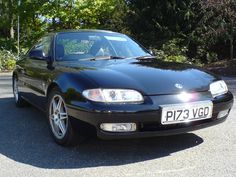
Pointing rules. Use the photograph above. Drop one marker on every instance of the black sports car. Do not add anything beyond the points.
(107, 81)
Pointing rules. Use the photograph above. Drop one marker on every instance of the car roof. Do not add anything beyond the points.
(84, 30)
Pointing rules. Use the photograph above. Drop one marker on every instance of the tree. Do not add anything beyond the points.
(157, 21)
(220, 19)
(39, 17)
(7, 17)
(27, 10)
(202, 28)
(71, 14)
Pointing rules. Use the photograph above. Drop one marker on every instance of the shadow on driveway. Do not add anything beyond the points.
(25, 138)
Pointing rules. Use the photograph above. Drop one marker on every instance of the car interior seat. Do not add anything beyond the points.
(60, 52)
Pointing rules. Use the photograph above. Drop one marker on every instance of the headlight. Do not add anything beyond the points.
(218, 88)
(113, 95)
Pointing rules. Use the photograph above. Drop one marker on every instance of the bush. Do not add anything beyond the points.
(211, 57)
(10, 64)
(8, 44)
(171, 51)
(7, 60)
(177, 58)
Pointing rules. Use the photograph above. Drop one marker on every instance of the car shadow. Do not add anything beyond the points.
(25, 138)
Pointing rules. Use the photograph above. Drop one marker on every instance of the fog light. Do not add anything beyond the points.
(223, 114)
(118, 127)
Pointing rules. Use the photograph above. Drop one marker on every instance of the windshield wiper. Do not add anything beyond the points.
(110, 57)
(145, 57)
(104, 58)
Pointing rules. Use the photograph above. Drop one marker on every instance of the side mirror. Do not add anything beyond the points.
(37, 54)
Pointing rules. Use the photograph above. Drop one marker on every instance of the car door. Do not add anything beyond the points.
(36, 71)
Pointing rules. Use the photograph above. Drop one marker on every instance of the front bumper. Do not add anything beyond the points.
(147, 116)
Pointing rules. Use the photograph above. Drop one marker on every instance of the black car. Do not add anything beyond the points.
(107, 81)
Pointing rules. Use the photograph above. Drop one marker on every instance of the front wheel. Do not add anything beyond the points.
(60, 123)
(20, 102)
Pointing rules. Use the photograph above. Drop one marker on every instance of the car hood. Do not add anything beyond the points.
(152, 77)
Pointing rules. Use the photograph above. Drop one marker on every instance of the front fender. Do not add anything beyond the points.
(72, 86)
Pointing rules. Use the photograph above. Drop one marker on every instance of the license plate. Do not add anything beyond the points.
(179, 113)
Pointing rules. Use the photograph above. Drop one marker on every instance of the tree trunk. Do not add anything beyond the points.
(10, 4)
(231, 41)
(12, 28)
(231, 48)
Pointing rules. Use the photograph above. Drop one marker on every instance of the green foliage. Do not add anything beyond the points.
(205, 27)
(77, 14)
(40, 17)
(7, 60)
(8, 44)
(211, 57)
(10, 64)
(171, 51)
(204, 30)
(177, 58)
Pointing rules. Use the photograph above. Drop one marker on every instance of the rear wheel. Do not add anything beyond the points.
(20, 102)
(60, 122)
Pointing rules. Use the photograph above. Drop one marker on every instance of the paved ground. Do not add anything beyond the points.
(26, 149)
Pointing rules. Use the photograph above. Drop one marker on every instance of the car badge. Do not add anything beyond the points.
(179, 86)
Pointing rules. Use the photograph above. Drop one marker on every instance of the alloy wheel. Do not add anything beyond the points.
(58, 116)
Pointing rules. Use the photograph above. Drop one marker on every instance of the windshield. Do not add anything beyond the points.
(86, 45)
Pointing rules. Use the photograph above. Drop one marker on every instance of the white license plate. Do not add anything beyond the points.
(186, 112)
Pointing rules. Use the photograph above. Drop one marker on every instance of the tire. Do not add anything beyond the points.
(19, 101)
(60, 122)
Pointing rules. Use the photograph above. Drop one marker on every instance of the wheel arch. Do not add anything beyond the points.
(71, 86)
(51, 87)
